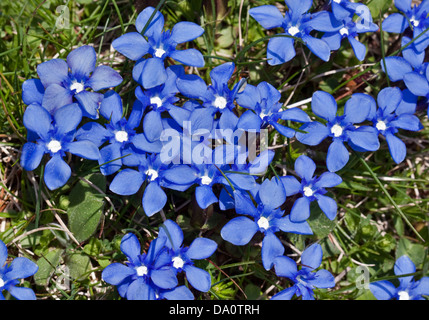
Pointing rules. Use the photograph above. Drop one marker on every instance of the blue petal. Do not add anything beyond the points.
(319, 47)
(154, 199)
(178, 293)
(305, 167)
(140, 142)
(57, 172)
(286, 225)
(301, 210)
(285, 294)
(84, 149)
(407, 122)
(3, 253)
(220, 75)
(249, 97)
(312, 256)
(110, 159)
(388, 99)
(408, 104)
(383, 290)
(365, 137)
(104, 77)
(67, 118)
(328, 180)
(395, 23)
(358, 48)
(268, 16)
(397, 68)
(152, 126)
(333, 39)
(422, 286)
(201, 248)
(403, 5)
(190, 57)
(151, 73)
(191, 86)
(90, 103)
(132, 45)
(328, 206)
(31, 156)
(284, 131)
(93, 132)
(285, 267)
(324, 21)
(397, 148)
(323, 280)
(404, 265)
(205, 196)
(298, 8)
(261, 162)
(198, 278)
(130, 246)
(56, 97)
(280, 49)
(111, 106)
(239, 231)
(291, 184)
(127, 182)
(244, 205)
(21, 293)
(54, 71)
(338, 156)
(360, 107)
(185, 31)
(173, 233)
(181, 174)
(165, 278)
(249, 121)
(20, 268)
(272, 193)
(295, 114)
(324, 105)
(140, 290)
(116, 273)
(417, 84)
(32, 91)
(155, 26)
(82, 61)
(272, 247)
(316, 133)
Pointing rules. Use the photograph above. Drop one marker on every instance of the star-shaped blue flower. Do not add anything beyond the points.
(159, 44)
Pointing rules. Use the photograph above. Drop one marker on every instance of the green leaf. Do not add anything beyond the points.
(319, 223)
(86, 206)
(415, 251)
(79, 266)
(377, 6)
(47, 265)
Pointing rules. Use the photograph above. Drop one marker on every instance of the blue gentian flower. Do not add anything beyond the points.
(341, 129)
(311, 188)
(119, 132)
(266, 218)
(145, 276)
(11, 274)
(415, 18)
(408, 288)
(216, 97)
(296, 23)
(392, 115)
(350, 29)
(182, 258)
(159, 44)
(161, 99)
(265, 109)
(63, 83)
(306, 279)
(56, 136)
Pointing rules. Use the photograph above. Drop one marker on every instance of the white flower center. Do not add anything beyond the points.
(293, 30)
(1, 283)
(141, 271)
(159, 52)
(206, 180)
(178, 262)
(414, 22)
(152, 174)
(220, 102)
(403, 295)
(308, 192)
(344, 31)
(337, 1)
(263, 223)
(121, 136)
(381, 125)
(54, 146)
(157, 101)
(337, 130)
(78, 86)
